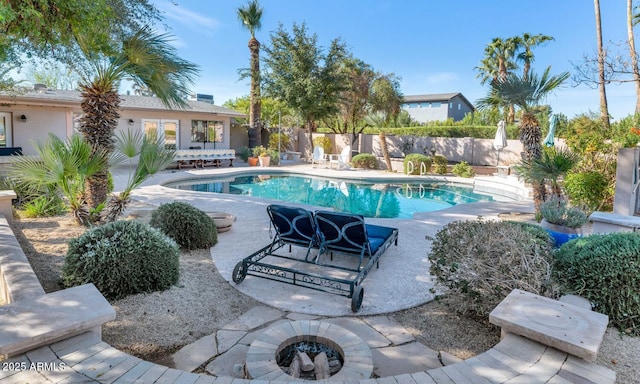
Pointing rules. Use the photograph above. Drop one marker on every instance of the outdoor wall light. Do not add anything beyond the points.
(23, 118)
(130, 121)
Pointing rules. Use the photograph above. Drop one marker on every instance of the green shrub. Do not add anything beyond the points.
(556, 211)
(44, 206)
(417, 159)
(122, 258)
(274, 155)
(364, 160)
(586, 189)
(324, 142)
(245, 153)
(463, 169)
(441, 164)
(190, 227)
(282, 139)
(481, 262)
(258, 150)
(604, 270)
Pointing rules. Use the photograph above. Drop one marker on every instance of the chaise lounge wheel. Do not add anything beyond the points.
(356, 299)
(239, 273)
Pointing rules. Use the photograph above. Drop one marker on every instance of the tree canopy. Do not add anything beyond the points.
(300, 73)
(58, 30)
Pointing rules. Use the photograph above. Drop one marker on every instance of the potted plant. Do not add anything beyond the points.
(264, 159)
(562, 221)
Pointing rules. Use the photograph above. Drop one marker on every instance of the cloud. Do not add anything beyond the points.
(186, 17)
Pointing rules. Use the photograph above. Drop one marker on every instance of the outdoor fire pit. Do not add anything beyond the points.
(309, 350)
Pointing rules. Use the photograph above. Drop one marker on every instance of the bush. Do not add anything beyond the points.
(417, 159)
(122, 258)
(324, 142)
(463, 169)
(44, 206)
(282, 139)
(364, 160)
(245, 153)
(586, 189)
(556, 211)
(190, 227)
(441, 164)
(604, 270)
(481, 262)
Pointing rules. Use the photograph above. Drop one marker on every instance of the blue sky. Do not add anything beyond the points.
(432, 45)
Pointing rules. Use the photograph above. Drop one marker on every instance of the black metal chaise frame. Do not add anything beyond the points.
(325, 232)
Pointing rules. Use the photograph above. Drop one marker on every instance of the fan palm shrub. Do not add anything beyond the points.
(153, 156)
(550, 168)
(64, 166)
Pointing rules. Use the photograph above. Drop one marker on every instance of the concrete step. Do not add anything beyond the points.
(30, 323)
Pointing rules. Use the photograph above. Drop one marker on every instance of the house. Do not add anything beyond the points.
(30, 117)
(437, 107)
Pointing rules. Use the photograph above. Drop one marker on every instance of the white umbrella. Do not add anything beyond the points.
(501, 139)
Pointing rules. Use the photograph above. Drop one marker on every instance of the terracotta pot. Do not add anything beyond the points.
(223, 221)
(253, 161)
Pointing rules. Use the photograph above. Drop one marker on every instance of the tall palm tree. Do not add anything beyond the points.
(527, 94)
(632, 52)
(148, 59)
(498, 62)
(251, 17)
(527, 42)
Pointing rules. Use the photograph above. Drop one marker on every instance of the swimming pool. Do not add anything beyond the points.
(385, 199)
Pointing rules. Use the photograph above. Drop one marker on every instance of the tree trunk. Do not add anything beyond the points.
(385, 150)
(632, 53)
(255, 108)
(604, 109)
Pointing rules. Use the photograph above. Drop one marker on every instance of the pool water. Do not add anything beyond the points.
(379, 199)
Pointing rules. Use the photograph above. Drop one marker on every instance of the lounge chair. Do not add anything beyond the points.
(349, 233)
(318, 156)
(293, 226)
(342, 160)
(327, 232)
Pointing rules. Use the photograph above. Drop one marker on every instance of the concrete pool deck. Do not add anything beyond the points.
(402, 281)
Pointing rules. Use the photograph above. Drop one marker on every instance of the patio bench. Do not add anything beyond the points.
(202, 157)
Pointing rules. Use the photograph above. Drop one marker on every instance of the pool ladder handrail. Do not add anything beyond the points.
(411, 167)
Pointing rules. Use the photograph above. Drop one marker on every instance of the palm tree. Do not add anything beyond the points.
(250, 16)
(527, 94)
(149, 60)
(498, 63)
(527, 42)
(632, 52)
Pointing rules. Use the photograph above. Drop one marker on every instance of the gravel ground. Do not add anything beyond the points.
(152, 326)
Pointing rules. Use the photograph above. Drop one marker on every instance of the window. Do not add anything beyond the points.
(459, 106)
(450, 105)
(164, 129)
(437, 104)
(5, 129)
(206, 131)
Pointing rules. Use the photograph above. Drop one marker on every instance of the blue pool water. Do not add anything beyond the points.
(380, 199)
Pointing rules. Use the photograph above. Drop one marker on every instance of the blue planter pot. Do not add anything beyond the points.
(559, 233)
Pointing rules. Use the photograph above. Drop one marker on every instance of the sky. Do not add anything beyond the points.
(433, 46)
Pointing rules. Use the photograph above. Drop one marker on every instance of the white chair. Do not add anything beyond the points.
(342, 160)
(318, 156)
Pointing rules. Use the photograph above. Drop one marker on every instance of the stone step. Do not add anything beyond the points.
(566, 327)
(31, 323)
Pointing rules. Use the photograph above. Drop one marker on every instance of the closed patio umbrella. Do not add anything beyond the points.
(501, 139)
(548, 141)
